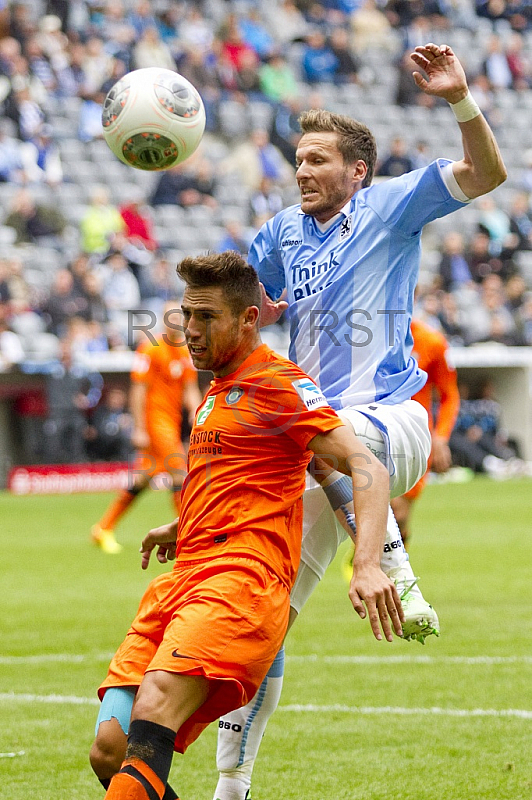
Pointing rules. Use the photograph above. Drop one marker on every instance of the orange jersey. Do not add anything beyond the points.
(165, 369)
(247, 463)
(430, 350)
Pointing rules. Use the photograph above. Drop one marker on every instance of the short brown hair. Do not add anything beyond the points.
(229, 271)
(355, 140)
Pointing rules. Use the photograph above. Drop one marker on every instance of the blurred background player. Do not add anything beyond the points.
(441, 398)
(164, 382)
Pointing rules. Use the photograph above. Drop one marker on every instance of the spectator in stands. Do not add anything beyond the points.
(196, 31)
(11, 350)
(255, 159)
(21, 25)
(90, 116)
(420, 155)
(64, 303)
(521, 221)
(70, 392)
(99, 222)
(285, 132)
(39, 64)
(286, 21)
(406, 93)
(265, 202)
(234, 49)
(450, 321)
(10, 50)
(235, 238)
(137, 220)
(121, 293)
(142, 17)
(319, 63)
(255, 33)
(34, 221)
(72, 77)
(371, 28)
(518, 62)
(108, 436)
(478, 440)
(12, 168)
(524, 320)
(453, 269)
(97, 66)
(26, 112)
(158, 284)
(277, 79)
(189, 184)
(5, 293)
(348, 65)
(151, 51)
(488, 318)
(480, 258)
(95, 310)
(495, 65)
(397, 161)
(494, 221)
(43, 159)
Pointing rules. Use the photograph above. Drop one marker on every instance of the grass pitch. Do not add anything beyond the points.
(359, 720)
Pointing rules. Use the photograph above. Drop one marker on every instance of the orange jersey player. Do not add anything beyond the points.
(431, 352)
(164, 382)
(206, 633)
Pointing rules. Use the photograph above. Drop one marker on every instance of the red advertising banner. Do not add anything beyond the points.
(68, 478)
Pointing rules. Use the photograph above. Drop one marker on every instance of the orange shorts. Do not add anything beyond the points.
(166, 452)
(224, 619)
(416, 490)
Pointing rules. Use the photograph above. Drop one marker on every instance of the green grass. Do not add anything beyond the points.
(471, 545)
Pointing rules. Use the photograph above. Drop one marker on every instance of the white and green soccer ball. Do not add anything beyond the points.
(153, 119)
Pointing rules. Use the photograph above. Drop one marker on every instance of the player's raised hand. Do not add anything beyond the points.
(270, 311)
(445, 74)
(164, 539)
(371, 589)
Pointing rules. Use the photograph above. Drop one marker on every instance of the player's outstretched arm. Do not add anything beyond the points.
(370, 591)
(165, 539)
(482, 169)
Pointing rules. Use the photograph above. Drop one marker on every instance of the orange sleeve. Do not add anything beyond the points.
(142, 364)
(443, 378)
(297, 407)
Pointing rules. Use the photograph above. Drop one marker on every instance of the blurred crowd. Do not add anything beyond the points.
(83, 241)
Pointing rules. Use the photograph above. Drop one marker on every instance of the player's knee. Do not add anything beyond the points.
(108, 750)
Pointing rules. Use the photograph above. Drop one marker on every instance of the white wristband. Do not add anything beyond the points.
(466, 109)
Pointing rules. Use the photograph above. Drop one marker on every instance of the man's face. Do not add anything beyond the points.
(326, 183)
(214, 335)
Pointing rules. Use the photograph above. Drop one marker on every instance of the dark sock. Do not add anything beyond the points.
(150, 748)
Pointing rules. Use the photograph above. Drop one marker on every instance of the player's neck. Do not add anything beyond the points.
(247, 348)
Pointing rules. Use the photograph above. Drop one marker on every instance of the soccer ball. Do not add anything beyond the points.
(153, 119)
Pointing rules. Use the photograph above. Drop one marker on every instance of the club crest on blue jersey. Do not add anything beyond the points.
(309, 393)
(345, 228)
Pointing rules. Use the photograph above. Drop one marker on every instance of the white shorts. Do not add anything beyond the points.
(399, 436)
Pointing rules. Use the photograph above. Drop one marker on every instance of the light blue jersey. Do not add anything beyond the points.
(351, 287)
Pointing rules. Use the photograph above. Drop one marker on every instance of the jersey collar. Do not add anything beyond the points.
(324, 226)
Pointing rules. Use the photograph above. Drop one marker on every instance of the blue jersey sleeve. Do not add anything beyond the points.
(264, 257)
(410, 201)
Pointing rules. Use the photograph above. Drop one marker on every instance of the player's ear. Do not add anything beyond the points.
(251, 316)
(360, 170)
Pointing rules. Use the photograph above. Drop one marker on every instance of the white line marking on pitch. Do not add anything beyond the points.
(313, 709)
(68, 658)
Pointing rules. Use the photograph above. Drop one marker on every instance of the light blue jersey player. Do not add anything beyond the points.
(348, 258)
